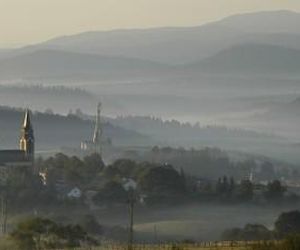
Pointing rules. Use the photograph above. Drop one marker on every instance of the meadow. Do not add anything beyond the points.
(181, 246)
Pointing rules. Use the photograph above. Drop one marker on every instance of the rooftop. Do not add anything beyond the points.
(7, 156)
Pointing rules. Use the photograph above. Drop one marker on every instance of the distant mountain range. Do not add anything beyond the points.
(265, 42)
(240, 59)
(185, 45)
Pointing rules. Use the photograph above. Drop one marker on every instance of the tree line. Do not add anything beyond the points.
(286, 231)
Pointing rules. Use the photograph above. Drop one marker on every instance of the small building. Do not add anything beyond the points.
(129, 183)
(75, 193)
(65, 191)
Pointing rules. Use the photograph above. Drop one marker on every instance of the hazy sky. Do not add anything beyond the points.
(30, 21)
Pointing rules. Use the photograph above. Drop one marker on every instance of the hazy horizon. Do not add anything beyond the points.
(33, 20)
(149, 121)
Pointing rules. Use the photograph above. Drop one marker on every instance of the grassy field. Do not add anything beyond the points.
(204, 246)
(169, 247)
(234, 245)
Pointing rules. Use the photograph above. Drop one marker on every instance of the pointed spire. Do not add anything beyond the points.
(27, 122)
(27, 136)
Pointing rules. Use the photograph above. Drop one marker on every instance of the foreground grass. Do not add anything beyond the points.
(7, 244)
(204, 246)
(165, 247)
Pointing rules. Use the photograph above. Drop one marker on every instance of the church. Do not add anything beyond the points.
(24, 156)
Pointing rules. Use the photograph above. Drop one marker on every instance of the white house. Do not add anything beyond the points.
(129, 184)
(75, 193)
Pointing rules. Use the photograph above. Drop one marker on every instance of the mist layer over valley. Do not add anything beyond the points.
(209, 106)
(220, 73)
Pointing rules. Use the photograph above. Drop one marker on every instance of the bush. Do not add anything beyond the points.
(39, 233)
(6, 243)
(288, 223)
(91, 225)
(163, 180)
(292, 242)
(112, 192)
(249, 232)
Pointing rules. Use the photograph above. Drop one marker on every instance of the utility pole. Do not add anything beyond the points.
(4, 198)
(155, 234)
(3, 212)
(131, 202)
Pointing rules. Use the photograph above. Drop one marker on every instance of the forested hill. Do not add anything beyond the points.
(186, 134)
(176, 134)
(53, 131)
(58, 98)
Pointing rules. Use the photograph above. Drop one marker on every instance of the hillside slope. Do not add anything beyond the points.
(252, 58)
(187, 44)
(55, 63)
(55, 131)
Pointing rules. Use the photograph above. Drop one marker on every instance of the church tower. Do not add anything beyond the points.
(27, 137)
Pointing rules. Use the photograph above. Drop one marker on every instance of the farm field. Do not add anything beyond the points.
(170, 247)
(175, 248)
(200, 246)
(194, 222)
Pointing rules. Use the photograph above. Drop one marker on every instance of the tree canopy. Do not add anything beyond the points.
(288, 223)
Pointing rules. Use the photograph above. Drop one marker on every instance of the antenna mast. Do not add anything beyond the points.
(98, 131)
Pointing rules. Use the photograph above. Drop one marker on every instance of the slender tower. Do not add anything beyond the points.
(27, 137)
(98, 131)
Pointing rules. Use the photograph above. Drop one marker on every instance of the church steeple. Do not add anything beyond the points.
(98, 131)
(27, 137)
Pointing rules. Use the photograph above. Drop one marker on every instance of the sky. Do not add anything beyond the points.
(24, 22)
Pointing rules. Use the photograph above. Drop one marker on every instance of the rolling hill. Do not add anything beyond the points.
(188, 44)
(252, 58)
(54, 131)
(255, 42)
(181, 45)
(266, 22)
(56, 63)
(240, 59)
